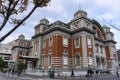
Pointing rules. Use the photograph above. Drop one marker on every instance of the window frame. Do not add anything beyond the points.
(77, 62)
(50, 41)
(65, 58)
(89, 42)
(77, 45)
(50, 58)
(65, 41)
(44, 43)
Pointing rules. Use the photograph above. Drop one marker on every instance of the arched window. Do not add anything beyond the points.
(50, 57)
(65, 57)
(90, 59)
(50, 41)
(77, 59)
(89, 41)
(77, 42)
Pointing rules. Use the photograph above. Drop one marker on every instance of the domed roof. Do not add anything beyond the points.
(21, 36)
(80, 13)
(44, 21)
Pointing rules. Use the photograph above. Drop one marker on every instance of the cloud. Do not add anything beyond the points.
(64, 10)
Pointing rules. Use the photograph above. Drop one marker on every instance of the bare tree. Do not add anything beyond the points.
(111, 24)
(9, 9)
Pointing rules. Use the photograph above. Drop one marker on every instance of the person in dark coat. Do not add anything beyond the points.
(19, 72)
(91, 72)
(88, 73)
(117, 72)
(72, 73)
(12, 72)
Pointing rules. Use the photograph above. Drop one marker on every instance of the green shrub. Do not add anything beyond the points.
(21, 66)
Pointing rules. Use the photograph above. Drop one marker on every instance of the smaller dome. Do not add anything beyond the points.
(80, 13)
(106, 28)
(21, 36)
(44, 21)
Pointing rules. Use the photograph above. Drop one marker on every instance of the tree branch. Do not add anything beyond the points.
(13, 29)
(9, 11)
(111, 24)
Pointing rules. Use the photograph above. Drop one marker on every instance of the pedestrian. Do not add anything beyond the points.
(12, 72)
(88, 73)
(117, 72)
(91, 72)
(9, 71)
(19, 72)
(72, 73)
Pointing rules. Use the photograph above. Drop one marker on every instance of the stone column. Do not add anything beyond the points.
(94, 55)
(84, 51)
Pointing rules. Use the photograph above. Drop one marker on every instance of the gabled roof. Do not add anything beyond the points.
(60, 24)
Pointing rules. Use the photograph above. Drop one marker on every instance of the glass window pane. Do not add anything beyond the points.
(65, 41)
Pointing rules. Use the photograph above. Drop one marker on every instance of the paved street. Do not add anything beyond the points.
(33, 77)
(5, 76)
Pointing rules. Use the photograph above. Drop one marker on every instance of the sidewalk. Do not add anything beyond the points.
(25, 76)
(103, 76)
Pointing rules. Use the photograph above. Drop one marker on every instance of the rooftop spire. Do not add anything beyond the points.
(79, 7)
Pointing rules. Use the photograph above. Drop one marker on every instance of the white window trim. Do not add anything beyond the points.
(49, 54)
(65, 44)
(65, 58)
(89, 42)
(44, 43)
(90, 59)
(50, 42)
(75, 42)
(76, 60)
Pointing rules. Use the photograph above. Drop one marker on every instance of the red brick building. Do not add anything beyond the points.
(78, 44)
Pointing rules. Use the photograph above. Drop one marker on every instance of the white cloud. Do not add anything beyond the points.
(64, 10)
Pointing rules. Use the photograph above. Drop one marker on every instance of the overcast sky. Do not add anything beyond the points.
(64, 10)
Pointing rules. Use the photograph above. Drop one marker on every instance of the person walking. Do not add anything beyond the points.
(91, 72)
(19, 72)
(12, 72)
(117, 72)
(72, 73)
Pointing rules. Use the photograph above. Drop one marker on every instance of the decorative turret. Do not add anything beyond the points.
(44, 21)
(80, 13)
(42, 26)
(108, 34)
(21, 37)
(80, 20)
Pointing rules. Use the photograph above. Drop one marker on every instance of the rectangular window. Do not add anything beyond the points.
(44, 43)
(101, 49)
(78, 60)
(65, 41)
(96, 48)
(20, 54)
(49, 60)
(89, 40)
(113, 49)
(65, 60)
(77, 42)
(7, 58)
(50, 41)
